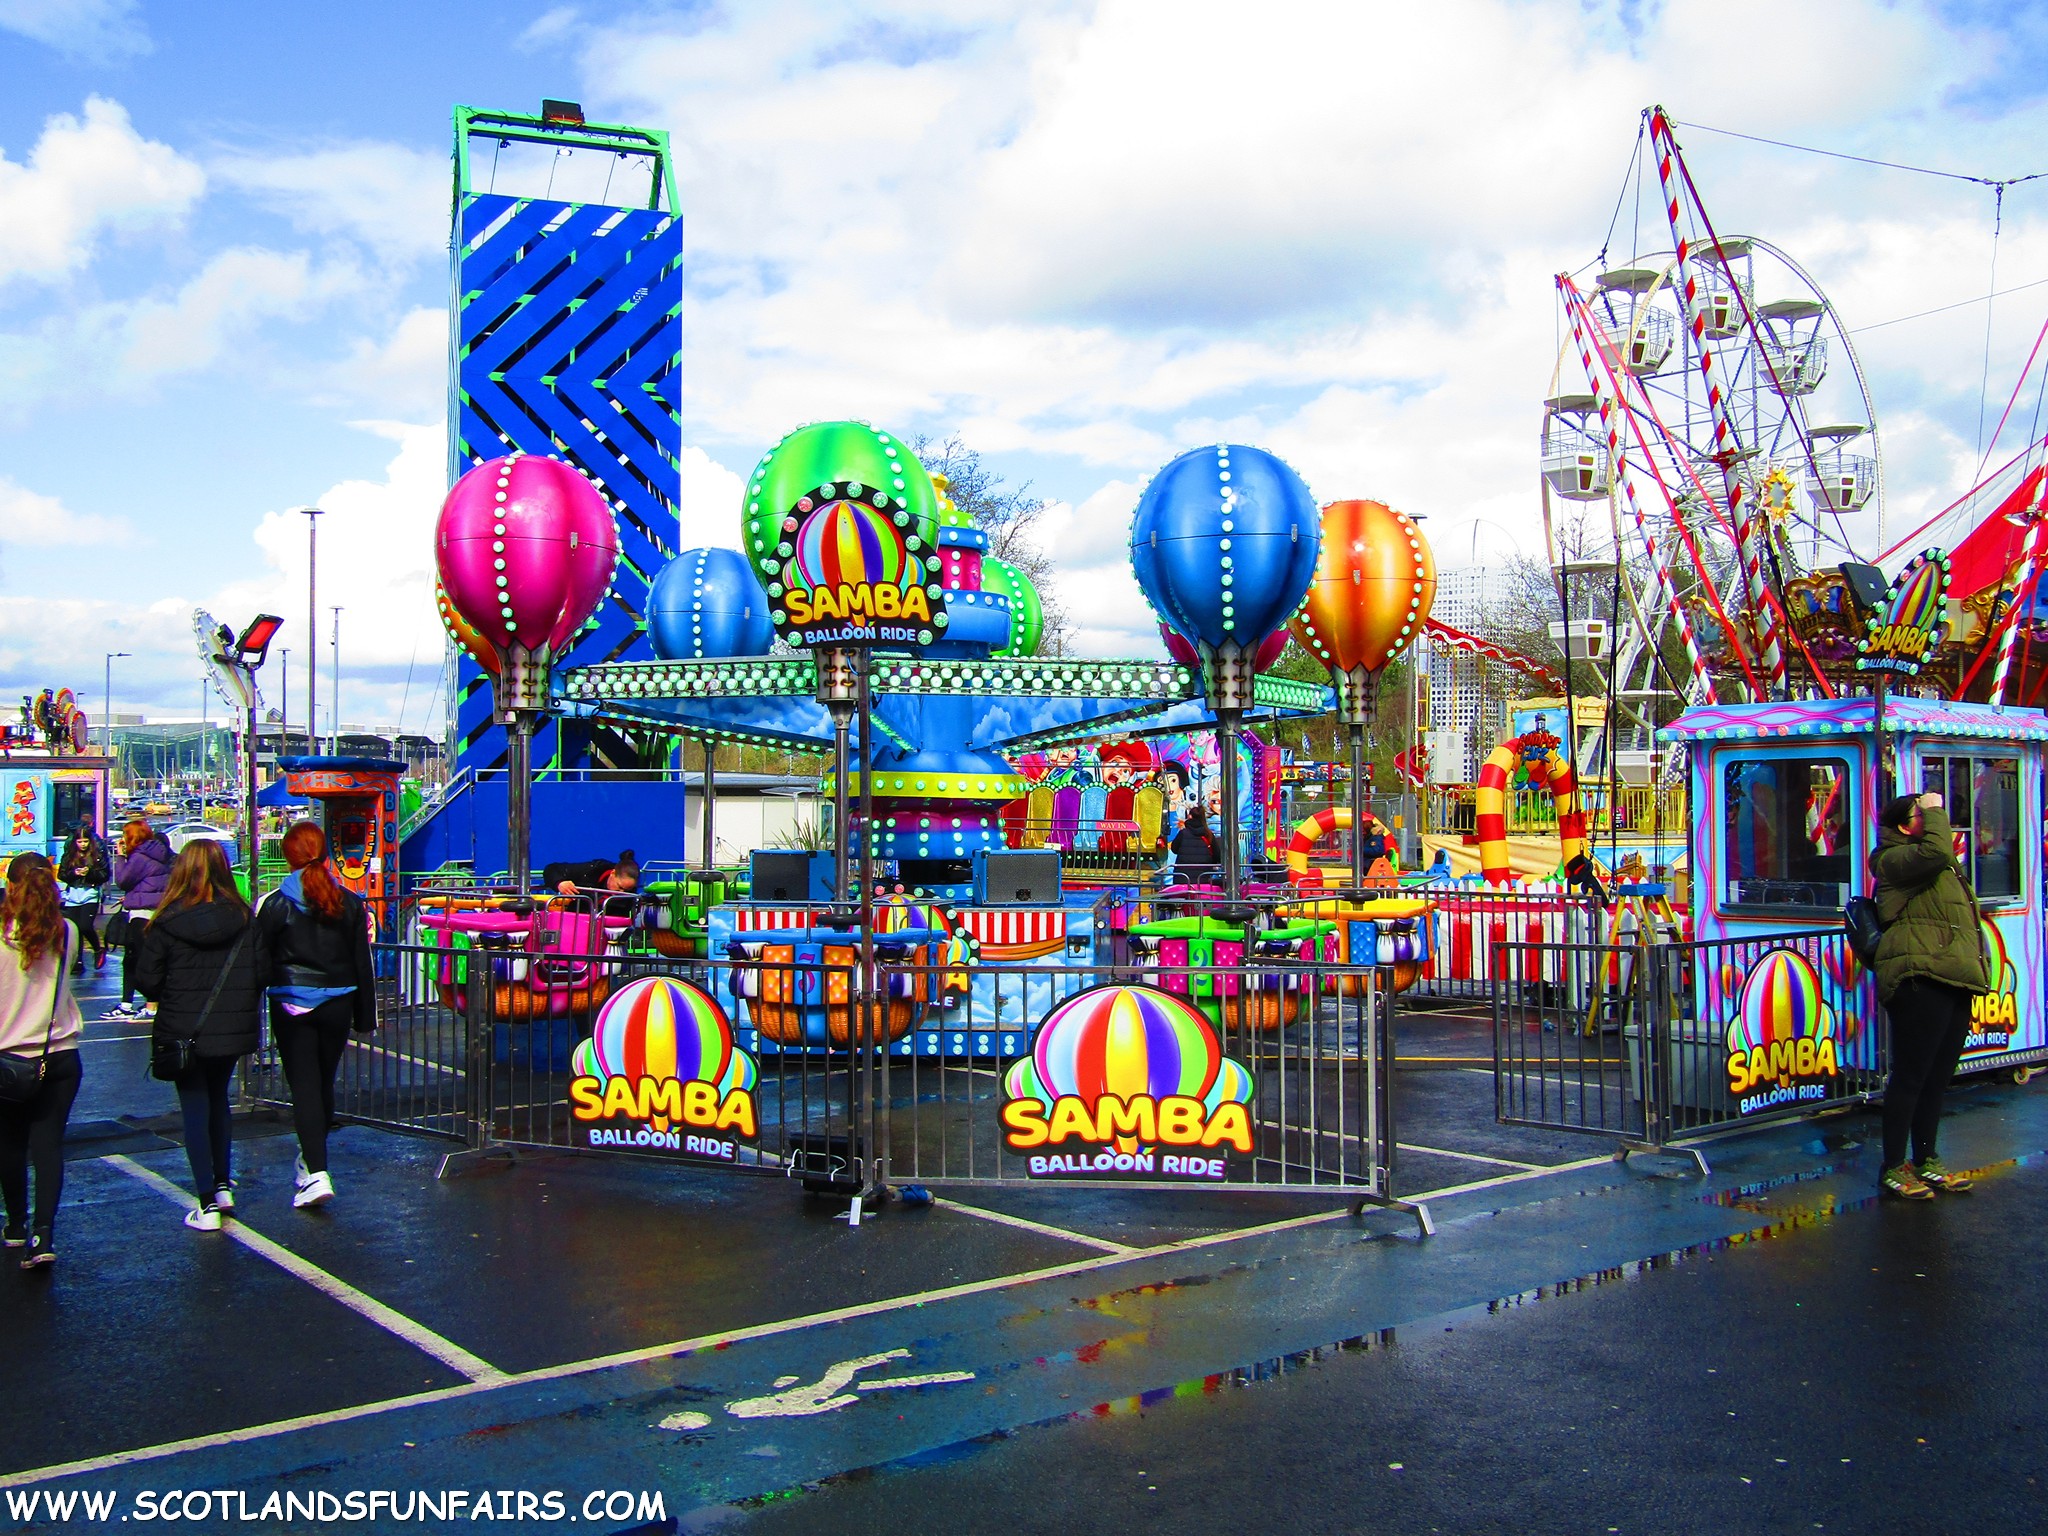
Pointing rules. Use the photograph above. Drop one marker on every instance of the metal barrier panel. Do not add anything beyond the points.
(1567, 1027)
(1655, 1043)
(408, 1076)
(1764, 1028)
(1470, 922)
(1287, 1061)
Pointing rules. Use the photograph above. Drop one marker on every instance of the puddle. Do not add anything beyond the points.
(1746, 1197)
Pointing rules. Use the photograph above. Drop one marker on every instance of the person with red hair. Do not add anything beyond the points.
(40, 1028)
(313, 948)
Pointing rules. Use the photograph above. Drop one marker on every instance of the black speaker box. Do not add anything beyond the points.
(1017, 879)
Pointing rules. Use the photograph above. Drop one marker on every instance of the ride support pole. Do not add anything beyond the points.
(875, 1063)
(519, 801)
(710, 802)
(1358, 806)
(1226, 761)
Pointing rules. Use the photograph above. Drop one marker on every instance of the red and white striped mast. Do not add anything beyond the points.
(1728, 444)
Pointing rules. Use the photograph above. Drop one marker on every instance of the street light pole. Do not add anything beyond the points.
(107, 701)
(336, 706)
(312, 627)
(284, 701)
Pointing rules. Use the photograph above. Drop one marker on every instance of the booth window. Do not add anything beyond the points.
(1982, 797)
(74, 805)
(1788, 832)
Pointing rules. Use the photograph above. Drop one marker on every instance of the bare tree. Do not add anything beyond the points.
(1009, 516)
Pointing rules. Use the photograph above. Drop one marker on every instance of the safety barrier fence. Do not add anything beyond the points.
(1271, 1072)
(1636, 809)
(1660, 1042)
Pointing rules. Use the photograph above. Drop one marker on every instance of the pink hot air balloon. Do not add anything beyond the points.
(525, 549)
(1178, 648)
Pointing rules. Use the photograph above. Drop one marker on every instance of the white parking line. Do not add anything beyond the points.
(417, 1061)
(715, 1340)
(1004, 1218)
(421, 1337)
(1470, 1157)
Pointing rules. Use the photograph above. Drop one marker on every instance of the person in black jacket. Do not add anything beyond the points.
(313, 938)
(620, 874)
(197, 963)
(1195, 851)
(80, 875)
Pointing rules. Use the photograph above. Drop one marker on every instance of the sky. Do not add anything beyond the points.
(1084, 237)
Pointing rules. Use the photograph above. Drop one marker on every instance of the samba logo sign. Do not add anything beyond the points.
(853, 574)
(1782, 1041)
(1912, 621)
(1127, 1082)
(660, 1073)
(1995, 1015)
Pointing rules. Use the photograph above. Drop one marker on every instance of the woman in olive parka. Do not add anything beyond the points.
(1930, 963)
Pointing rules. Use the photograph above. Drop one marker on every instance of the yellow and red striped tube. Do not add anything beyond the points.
(1490, 803)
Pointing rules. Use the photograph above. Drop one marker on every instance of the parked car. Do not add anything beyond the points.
(183, 832)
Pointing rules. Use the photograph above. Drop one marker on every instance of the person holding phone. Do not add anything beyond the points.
(1930, 963)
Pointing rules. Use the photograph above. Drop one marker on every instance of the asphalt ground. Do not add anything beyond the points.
(566, 1323)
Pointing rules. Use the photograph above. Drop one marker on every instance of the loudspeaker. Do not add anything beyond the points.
(1008, 879)
(1866, 585)
(782, 876)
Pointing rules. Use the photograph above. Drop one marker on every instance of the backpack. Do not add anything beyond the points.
(1859, 922)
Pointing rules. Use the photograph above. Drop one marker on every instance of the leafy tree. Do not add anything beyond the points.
(1009, 515)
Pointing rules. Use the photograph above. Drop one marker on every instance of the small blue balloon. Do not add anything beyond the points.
(1224, 543)
(706, 604)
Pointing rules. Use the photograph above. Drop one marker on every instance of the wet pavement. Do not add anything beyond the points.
(1584, 1344)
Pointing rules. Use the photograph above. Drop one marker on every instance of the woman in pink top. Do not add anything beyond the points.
(38, 1020)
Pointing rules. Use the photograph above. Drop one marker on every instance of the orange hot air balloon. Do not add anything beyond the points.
(1375, 581)
(481, 651)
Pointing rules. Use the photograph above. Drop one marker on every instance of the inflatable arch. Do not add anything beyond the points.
(1491, 805)
(1313, 829)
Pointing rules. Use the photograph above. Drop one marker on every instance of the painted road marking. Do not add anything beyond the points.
(417, 1061)
(419, 1335)
(630, 1357)
(828, 1393)
(1025, 1224)
(1470, 1157)
(685, 1421)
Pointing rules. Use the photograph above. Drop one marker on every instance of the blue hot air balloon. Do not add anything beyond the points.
(1224, 544)
(707, 603)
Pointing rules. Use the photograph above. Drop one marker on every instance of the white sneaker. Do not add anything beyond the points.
(203, 1218)
(224, 1198)
(317, 1190)
(300, 1173)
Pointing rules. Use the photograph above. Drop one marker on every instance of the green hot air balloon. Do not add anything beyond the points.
(841, 525)
(1027, 613)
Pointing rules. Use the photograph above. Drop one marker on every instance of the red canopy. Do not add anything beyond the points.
(1983, 558)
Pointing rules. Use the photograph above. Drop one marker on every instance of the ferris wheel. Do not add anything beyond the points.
(1709, 448)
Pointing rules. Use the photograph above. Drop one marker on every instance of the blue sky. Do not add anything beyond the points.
(1085, 235)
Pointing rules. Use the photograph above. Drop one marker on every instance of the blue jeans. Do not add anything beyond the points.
(203, 1096)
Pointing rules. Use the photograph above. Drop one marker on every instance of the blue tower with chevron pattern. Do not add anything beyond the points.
(567, 326)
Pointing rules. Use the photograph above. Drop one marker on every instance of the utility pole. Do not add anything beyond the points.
(107, 700)
(284, 701)
(312, 515)
(336, 706)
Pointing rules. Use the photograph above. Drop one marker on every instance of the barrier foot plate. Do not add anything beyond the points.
(1424, 1222)
(463, 1162)
(1699, 1158)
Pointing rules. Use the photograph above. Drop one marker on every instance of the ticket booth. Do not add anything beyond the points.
(47, 796)
(1788, 795)
(355, 799)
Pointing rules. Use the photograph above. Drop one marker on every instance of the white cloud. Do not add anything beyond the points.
(708, 515)
(235, 291)
(407, 372)
(392, 199)
(94, 30)
(87, 176)
(376, 562)
(29, 517)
